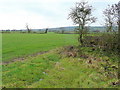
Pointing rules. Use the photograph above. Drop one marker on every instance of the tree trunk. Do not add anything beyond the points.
(119, 35)
(46, 30)
(119, 26)
(28, 30)
(81, 34)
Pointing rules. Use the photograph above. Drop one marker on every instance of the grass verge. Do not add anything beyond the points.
(52, 70)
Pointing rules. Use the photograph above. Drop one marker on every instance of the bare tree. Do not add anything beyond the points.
(118, 11)
(110, 18)
(81, 14)
(28, 29)
(119, 17)
(46, 30)
(112, 14)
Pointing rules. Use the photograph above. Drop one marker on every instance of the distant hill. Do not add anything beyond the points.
(72, 28)
(69, 28)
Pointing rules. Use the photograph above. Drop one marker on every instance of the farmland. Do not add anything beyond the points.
(54, 69)
(55, 44)
(17, 45)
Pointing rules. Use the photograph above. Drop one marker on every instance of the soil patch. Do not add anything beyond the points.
(23, 58)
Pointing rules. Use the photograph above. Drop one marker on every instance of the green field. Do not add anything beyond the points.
(17, 45)
(54, 69)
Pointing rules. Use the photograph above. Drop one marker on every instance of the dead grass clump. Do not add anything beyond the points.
(69, 51)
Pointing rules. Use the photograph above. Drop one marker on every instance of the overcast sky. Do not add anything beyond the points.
(14, 14)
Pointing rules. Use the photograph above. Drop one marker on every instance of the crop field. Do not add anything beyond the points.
(16, 45)
(53, 68)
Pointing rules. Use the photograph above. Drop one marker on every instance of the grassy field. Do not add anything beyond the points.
(18, 45)
(54, 69)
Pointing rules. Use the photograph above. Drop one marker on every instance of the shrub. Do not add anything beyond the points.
(107, 41)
